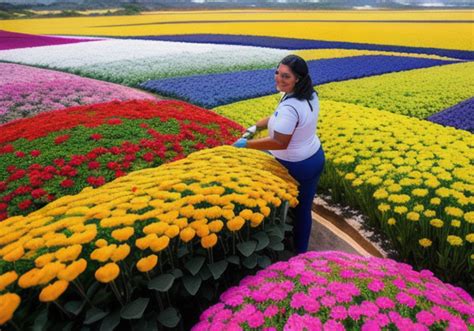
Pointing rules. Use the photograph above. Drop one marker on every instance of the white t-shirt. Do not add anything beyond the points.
(294, 116)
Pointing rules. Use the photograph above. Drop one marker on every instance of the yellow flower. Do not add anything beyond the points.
(104, 253)
(435, 201)
(456, 223)
(383, 207)
(413, 216)
(120, 253)
(209, 241)
(6, 279)
(123, 234)
(469, 217)
(429, 213)
(357, 182)
(256, 219)
(101, 243)
(159, 244)
(29, 278)
(394, 188)
(202, 230)
(454, 240)
(9, 302)
(68, 253)
(419, 192)
(425, 242)
(391, 221)
(235, 224)
(350, 176)
(246, 214)
(437, 223)
(15, 254)
(49, 272)
(380, 194)
(264, 210)
(158, 227)
(172, 231)
(145, 242)
(44, 259)
(216, 226)
(400, 209)
(187, 234)
(419, 208)
(146, 264)
(53, 291)
(453, 211)
(470, 238)
(107, 273)
(72, 271)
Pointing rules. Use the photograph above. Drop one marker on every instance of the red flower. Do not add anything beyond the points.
(35, 153)
(3, 206)
(60, 139)
(96, 181)
(96, 136)
(134, 189)
(93, 165)
(19, 154)
(114, 121)
(77, 160)
(67, 183)
(50, 197)
(59, 162)
(112, 165)
(20, 173)
(11, 169)
(119, 173)
(115, 150)
(6, 149)
(22, 190)
(148, 157)
(25, 204)
(3, 186)
(130, 158)
(38, 193)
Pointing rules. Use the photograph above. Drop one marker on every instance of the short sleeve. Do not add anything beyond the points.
(286, 119)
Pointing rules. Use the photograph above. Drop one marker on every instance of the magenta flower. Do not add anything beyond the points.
(299, 323)
(332, 325)
(376, 285)
(384, 303)
(270, 311)
(338, 312)
(425, 317)
(406, 300)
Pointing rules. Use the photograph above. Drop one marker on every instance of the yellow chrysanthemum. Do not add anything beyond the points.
(216, 226)
(101, 243)
(9, 302)
(44, 259)
(187, 234)
(455, 223)
(391, 221)
(146, 264)
(123, 234)
(72, 271)
(172, 231)
(104, 253)
(425, 242)
(107, 273)
(470, 237)
(454, 240)
(159, 244)
(469, 217)
(7, 279)
(120, 253)
(53, 291)
(235, 224)
(209, 241)
(68, 253)
(437, 223)
(413, 216)
(15, 254)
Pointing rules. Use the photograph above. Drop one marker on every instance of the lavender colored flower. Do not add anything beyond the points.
(459, 116)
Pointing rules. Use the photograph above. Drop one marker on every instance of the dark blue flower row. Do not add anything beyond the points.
(288, 43)
(219, 89)
(460, 116)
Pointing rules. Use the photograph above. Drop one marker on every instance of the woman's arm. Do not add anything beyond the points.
(263, 123)
(280, 141)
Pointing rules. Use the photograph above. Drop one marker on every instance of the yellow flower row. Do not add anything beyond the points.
(197, 197)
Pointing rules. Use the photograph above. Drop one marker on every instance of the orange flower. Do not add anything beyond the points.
(107, 273)
(9, 302)
(209, 241)
(7, 278)
(145, 264)
(53, 291)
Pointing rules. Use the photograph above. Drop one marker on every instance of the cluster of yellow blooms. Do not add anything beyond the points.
(411, 172)
(194, 198)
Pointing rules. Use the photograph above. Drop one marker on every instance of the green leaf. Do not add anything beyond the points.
(247, 247)
(262, 239)
(162, 283)
(218, 268)
(263, 261)
(192, 284)
(91, 290)
(169, 317)
(234, 259)
(134, 310)
(177, 273)
(74, 307)
(277, 232)
(205, 273)
(41, 320)
(182, 251)
(111, 321)
(287, 227)
(94, 314)
(101, 296)
(195, 264)
(145, 324)
(250, 262)
(277, 247)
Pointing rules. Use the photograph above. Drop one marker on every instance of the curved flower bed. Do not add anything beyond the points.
(460, 116)
(418, 93)
(412, 178)
(218, 89)
(339, 291)
(143, 233)
(26, 91)
(59, 153)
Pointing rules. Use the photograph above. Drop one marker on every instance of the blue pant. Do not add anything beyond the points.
(307, 173)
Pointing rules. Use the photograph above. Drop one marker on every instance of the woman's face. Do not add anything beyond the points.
(285, 79)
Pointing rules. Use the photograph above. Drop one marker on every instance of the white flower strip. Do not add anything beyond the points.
(115, 50)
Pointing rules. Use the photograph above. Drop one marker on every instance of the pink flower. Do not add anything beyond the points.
(347, 273)
(256, 320)
(384, 303)
(425, 317)
(354, 312)
(399, 283)
(376, 285)
(328, 301)
(270, 311)
(406, 300)
(222, 316)
(332, 325)
(369, 309)
(370, 325)
(338, 313)
(299, 323)
(316, 291)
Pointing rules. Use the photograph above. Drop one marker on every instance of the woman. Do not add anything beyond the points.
(292, 139)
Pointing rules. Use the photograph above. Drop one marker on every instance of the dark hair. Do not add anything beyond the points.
(304, 86)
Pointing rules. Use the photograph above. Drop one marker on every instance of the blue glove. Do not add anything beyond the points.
(241, 143)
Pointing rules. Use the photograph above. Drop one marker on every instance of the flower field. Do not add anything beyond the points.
(119, 207)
